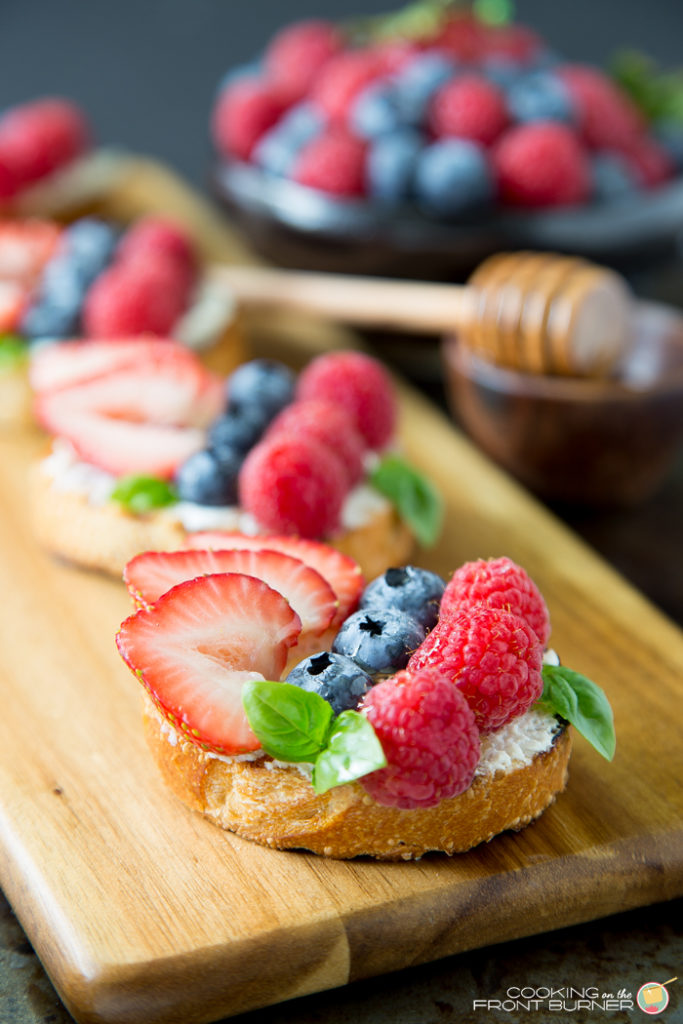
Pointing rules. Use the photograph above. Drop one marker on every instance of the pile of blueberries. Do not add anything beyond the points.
(256, 392)
(85, 250)
(396, 612)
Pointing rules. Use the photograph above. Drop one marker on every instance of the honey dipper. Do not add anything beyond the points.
(536, 312)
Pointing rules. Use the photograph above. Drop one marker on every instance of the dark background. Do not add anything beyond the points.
(146, 70)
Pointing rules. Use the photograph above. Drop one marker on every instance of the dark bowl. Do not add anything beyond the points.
(296, 226)
(589, 441)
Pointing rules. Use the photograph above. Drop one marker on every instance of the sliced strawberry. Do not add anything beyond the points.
(152, 573)
(72, 362)
(200, 643)
(118, 445)
(340, 571)
(25, 248)
(163, 395)
(179, 387)
(146, 417)
(13, 299)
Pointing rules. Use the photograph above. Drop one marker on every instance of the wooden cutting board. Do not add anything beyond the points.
(143, 912)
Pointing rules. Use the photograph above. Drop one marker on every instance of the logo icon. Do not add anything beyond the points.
(653, 996)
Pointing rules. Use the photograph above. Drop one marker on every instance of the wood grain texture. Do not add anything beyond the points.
(143, 912)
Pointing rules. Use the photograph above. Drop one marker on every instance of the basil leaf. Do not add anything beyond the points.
(581, 702)
(493, 12)
(143, 493)
(658, 94)
(352, 751)
(418, 502)
(291, 724)
(13, 351)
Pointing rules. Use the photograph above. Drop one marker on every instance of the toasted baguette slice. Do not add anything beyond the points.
(105, 536)
(275, 805)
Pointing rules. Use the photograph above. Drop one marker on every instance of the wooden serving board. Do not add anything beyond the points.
(142, 911)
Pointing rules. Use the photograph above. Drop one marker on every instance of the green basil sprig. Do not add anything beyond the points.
(297, 725)
(418, 502)
(13, 351)
(582, 703)
(143, 493)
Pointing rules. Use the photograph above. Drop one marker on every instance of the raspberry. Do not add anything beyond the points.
(462, 36)
(515, 43)
(607, 118)
(333, 162)
(293, 485)
(342, 79)
(243, 113)
(9, 186)
(330, 425)
(497, 583)
(156, 239)
(395, 54)
(542, 164)
(129, 300)
(429, 738)
(469, 107)
(297, 53)
(360, 386)
(651, 163)
(37, 138)
(493, 657)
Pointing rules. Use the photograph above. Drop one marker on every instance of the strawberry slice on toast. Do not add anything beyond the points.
(119, 446)
(340, 571)
(198, 645)
(150, 575)
(144, 417)
(74, 362)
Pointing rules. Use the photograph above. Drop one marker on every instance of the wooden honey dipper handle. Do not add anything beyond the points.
(362, 301)
(535, 312)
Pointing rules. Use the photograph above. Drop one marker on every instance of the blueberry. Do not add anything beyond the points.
(540, 96)
(391, 165)
(453, 178)
(85, 249)
(264, 383)
(302, 122)
(275, 153)
(62, 284)
(612, 178)
(502, 71)
(417, 83)
(238, 429)
(336, 678)
(375, 111)
(380, 640)
(44, 320)
(89, 245)
(207, 480)
(279, 147)
(409, 589)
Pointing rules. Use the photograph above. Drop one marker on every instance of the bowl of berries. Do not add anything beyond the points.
(418, 143)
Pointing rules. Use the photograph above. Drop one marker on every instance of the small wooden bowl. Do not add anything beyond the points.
(608, 441)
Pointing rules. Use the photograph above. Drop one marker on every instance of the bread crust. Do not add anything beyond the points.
(15, 398)
(102, 537)
(277, 806)
(105, 537)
